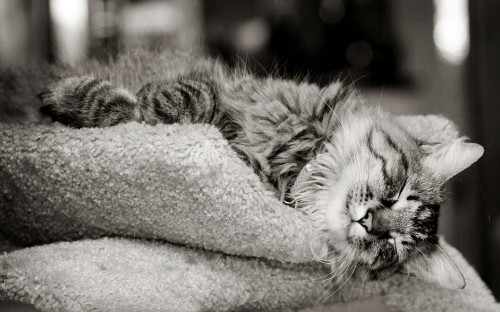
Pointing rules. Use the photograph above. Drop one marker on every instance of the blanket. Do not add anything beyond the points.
(143, 218)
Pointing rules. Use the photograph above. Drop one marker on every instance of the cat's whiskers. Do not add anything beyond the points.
(344, 266)
(331, 261)
(326, 261)
(348, 256)
(339, 288)
(339, 271)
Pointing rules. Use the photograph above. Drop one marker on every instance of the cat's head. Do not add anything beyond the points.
(376, 192)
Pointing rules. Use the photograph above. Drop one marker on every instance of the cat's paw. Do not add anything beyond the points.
(48, 104)
(62, 99)
(88, 102)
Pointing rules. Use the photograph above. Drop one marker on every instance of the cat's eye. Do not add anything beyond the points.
(385, 236)
(402, 187)
(412, 197)
(388, 203)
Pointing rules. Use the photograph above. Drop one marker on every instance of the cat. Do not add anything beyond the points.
(372, 189)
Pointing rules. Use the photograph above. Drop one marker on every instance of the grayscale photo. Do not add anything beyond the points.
(249, 155)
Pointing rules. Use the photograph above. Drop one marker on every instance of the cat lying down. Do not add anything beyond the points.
(370, 188)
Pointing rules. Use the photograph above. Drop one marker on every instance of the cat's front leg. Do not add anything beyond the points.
(86, 101)
(191, 99)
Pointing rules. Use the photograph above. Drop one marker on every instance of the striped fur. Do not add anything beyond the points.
(88, 102)
(188, 99)
(374, 192)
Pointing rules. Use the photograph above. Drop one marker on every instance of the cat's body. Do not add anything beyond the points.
(371, 189)
(276, 126)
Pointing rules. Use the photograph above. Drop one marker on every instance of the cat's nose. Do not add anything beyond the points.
(382, 221)
(367, 221)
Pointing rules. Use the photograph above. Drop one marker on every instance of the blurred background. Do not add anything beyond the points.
(411, 57)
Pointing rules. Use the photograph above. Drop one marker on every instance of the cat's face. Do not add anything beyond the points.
(380, 196)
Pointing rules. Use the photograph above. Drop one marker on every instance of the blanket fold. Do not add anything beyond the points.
(179, 183)
(132, 275)
(207, 234)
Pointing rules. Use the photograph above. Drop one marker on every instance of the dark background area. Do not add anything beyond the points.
(410, 57)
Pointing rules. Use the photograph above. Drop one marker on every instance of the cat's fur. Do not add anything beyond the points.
(373, 190)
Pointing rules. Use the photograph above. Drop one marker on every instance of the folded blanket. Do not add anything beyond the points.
(236, 247)
(131, 275)
(180, 183)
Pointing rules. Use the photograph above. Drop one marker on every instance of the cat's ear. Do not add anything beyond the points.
(336, 97)
(445, 160)
(432, 264)
(332, 90)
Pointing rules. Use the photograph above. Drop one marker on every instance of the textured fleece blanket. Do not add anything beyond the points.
(194, 229)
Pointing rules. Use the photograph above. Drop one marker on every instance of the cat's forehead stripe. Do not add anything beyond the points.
(392, 144)
(398, 153)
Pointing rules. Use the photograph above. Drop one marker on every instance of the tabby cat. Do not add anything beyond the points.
(373, 190)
